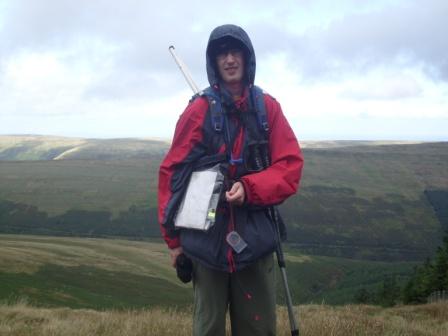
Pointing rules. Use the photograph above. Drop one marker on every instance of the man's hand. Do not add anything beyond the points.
(236, 194)
(174, 253)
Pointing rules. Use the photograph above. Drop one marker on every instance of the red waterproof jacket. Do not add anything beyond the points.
(195, 138)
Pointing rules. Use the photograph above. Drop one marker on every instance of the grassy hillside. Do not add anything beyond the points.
(88, 273)
(369, 200)
(315, 320)
(57, 186)
(35, 147)
(112, 273)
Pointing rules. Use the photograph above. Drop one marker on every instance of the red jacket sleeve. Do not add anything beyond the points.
(281, 179)
(187, 136)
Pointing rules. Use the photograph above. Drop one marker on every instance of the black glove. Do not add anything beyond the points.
(184, 268)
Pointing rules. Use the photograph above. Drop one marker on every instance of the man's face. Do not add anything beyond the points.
(231, 65)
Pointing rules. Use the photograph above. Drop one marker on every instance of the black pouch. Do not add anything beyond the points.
(184, 268)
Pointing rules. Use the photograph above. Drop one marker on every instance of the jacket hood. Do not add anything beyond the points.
(234, 32)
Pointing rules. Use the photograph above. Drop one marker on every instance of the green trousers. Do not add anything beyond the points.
(248, 295)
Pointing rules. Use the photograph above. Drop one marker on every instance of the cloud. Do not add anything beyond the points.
(384, 85)
(408, 34)
(383, 93)
(406, 31)
(107, 62)
(138, 33)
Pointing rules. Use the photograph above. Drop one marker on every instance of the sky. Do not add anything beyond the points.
(341, 70)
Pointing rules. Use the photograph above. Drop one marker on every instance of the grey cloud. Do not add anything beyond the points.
(409, 34)
(400, 35)
(139, 30)
(414, 33)
(142, 32)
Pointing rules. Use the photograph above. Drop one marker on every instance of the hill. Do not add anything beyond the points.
(369, 200)
(38, 147)
(122, 274)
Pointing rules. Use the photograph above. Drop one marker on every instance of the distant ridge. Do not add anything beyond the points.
(351, 143)
(49, 147)
(40, 147)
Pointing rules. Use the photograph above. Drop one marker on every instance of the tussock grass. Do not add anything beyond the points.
(315, 320)
(359, 320)
(24, 320)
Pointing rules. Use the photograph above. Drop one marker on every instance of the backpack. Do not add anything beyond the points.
(256, 104)
(256, 99)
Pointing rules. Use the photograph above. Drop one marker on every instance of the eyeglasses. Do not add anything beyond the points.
(233, 52)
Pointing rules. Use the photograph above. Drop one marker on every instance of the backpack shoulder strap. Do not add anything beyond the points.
(217, 118)
(257, 99)
(214, 103)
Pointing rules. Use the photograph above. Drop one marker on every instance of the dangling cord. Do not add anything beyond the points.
(231, 227)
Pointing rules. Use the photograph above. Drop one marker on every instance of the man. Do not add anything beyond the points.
(227, 277)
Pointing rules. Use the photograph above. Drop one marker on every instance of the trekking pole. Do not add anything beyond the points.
(183, 68)
(282, 265)
(262, 161)
(272, 210)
